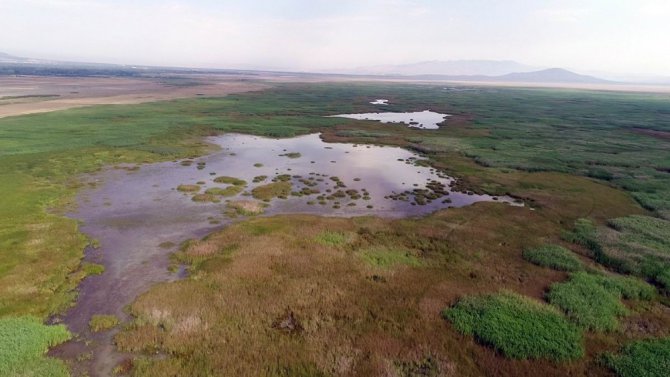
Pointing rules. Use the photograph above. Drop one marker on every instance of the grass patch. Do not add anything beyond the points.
(291, 155)
(230, 181)
(645, 358)
(518, 327)
(553, 256)
(205, 198)
(188, 188)
(92, 268)
(227, 191)
(23, 344)
(102, 322)
(388, 257)
(280, 189)
(330, 238)
(594, 301)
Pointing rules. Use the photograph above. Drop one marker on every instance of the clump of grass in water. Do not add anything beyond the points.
(228, 191)
(647, 358)
(188, 188)
(553, 256)
(594, 301)
(230, 181)
(102, 322)
(92, 268)
(517, 326)
(205, 198)
(23, 343)
(258, 165)
(272, 190)
(291, 155)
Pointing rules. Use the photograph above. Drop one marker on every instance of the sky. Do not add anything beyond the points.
(614, 36)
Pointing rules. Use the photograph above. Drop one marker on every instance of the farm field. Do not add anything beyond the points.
(574, 282)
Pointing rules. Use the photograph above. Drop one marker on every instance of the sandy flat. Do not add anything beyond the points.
(34, 94)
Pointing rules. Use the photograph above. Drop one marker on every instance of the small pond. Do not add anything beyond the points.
(426, 119)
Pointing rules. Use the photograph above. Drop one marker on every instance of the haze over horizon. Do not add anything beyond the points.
(616, 37)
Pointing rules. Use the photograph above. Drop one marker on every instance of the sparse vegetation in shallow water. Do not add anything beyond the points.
(202, 198)
(258, 165)
(188, 188)
(230, 181)
(291, 155)
(644, 358)
(259, 178)
(24, 342)
(517, 326)
(246, 207)
(227, 191)
(553, 256)
(272, 190)
(102, 322)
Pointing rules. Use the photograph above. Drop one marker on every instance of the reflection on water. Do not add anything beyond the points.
(380, 102)
(420, 119)
(133, 213)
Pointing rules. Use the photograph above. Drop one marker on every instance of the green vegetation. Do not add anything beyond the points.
(188, 188)
(228, 191)
(645, 358)
(281, 189)
(291, 155)
(102, 322)
(594, 301)
(384, 257)
(92, 268)
(230, 181)
(23, 344)
(553, 256)
(333, 238)
(517, 326)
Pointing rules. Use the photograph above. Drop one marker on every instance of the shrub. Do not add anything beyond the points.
(553, 256)
(646, 358)
(517, 326)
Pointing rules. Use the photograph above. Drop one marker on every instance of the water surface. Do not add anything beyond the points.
(420, 119)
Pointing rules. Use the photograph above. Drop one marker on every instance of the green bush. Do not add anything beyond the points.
(517, 326)
(553, 256)
(23, 343)
(646, 358)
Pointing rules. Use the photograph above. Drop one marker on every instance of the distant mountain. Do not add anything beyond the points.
(448, 68)
(551, 75)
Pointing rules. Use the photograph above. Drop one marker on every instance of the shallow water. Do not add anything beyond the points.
(420, 119)
(131, 213)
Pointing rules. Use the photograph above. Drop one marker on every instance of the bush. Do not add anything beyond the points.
(23, 343)
(517, 326)
(553, 256)
(646, 358)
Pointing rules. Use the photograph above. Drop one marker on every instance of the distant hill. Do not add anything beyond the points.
(551, 75)
(449, 68)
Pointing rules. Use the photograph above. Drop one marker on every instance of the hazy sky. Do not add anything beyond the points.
(589, 35)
